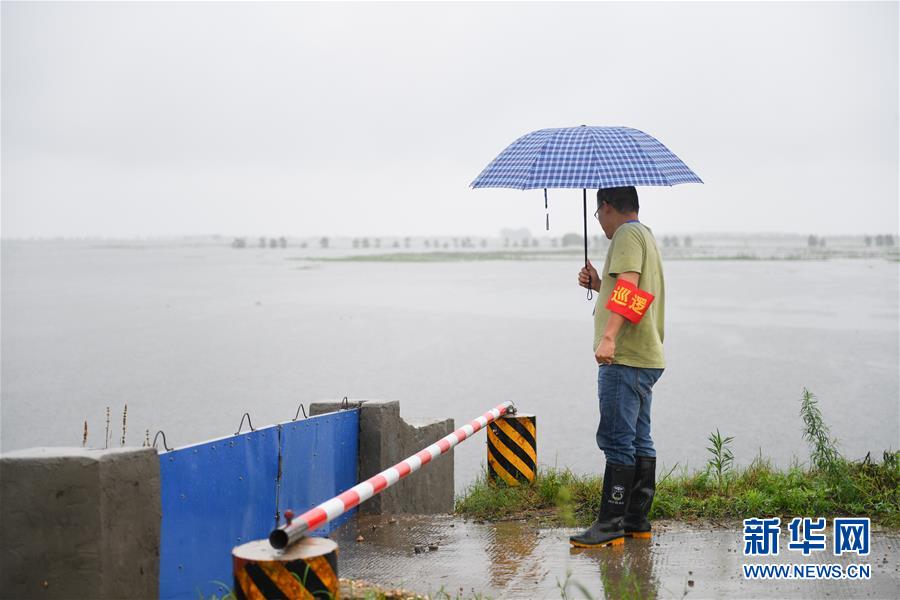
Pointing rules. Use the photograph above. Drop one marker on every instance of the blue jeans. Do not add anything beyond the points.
(625, 395)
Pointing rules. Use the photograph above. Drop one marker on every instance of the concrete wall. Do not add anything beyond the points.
(83, 523)
(384, 440)
(79, 523)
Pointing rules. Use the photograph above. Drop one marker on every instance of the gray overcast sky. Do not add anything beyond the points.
(127, 119)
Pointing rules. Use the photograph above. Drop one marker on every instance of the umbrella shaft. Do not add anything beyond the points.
(584, 191)
(584, 206)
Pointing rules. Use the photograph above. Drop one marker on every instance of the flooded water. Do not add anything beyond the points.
(517, 560)
(193, 336)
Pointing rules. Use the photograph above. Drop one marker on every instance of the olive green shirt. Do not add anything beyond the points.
(633, 248)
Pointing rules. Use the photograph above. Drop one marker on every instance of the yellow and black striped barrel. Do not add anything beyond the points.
(307, 570)
(512, 449)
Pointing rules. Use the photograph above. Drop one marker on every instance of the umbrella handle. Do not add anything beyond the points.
(590, 293)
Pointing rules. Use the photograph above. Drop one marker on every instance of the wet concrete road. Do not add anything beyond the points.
(514, 559)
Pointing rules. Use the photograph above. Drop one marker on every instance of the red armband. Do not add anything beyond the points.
(629, 300)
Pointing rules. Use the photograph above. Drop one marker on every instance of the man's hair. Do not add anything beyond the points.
(623, 199)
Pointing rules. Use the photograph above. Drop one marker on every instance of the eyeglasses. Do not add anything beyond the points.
(597, 213)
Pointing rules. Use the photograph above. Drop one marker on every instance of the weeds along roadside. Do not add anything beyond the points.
(830, 485)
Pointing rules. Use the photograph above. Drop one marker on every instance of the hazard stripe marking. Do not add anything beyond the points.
(285, 581)
(349, 499)
(402, 469)
(247, 589)
(266, 586)
(511, 438)
(524, 426)
(497, 469)
(497, 446)
(378, 483)
(320, 570)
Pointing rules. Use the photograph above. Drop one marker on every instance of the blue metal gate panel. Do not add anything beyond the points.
(215, 496)
(319, 461)
(223, 493)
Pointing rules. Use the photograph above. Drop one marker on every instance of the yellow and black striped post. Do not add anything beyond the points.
(512, 449)
(306, 570)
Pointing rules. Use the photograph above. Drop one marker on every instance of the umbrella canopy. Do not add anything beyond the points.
(584, 157)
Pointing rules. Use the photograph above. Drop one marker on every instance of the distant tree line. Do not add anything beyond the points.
(879, 240)
(518, 239)
(886, 240)
(672, 241)
(569, 239)
(281, 242)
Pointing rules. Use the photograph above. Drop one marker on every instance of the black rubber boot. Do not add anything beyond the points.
(608, 528)
(637, 525)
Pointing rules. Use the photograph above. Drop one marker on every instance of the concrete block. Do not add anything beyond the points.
(384, 440)
(79, 523)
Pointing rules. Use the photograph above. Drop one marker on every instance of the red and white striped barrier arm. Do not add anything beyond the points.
(332, 509)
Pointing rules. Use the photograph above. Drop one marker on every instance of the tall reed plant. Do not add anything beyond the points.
(825, 456)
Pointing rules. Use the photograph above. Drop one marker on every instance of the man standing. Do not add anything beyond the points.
(628, 346)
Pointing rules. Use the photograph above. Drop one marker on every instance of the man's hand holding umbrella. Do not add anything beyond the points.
(588, 277)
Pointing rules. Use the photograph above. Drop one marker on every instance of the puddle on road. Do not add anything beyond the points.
(515, 559)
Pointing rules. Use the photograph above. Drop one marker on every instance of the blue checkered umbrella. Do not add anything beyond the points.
(584, 157)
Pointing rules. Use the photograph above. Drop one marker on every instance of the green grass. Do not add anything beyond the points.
(562, 498)
(831, 486)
